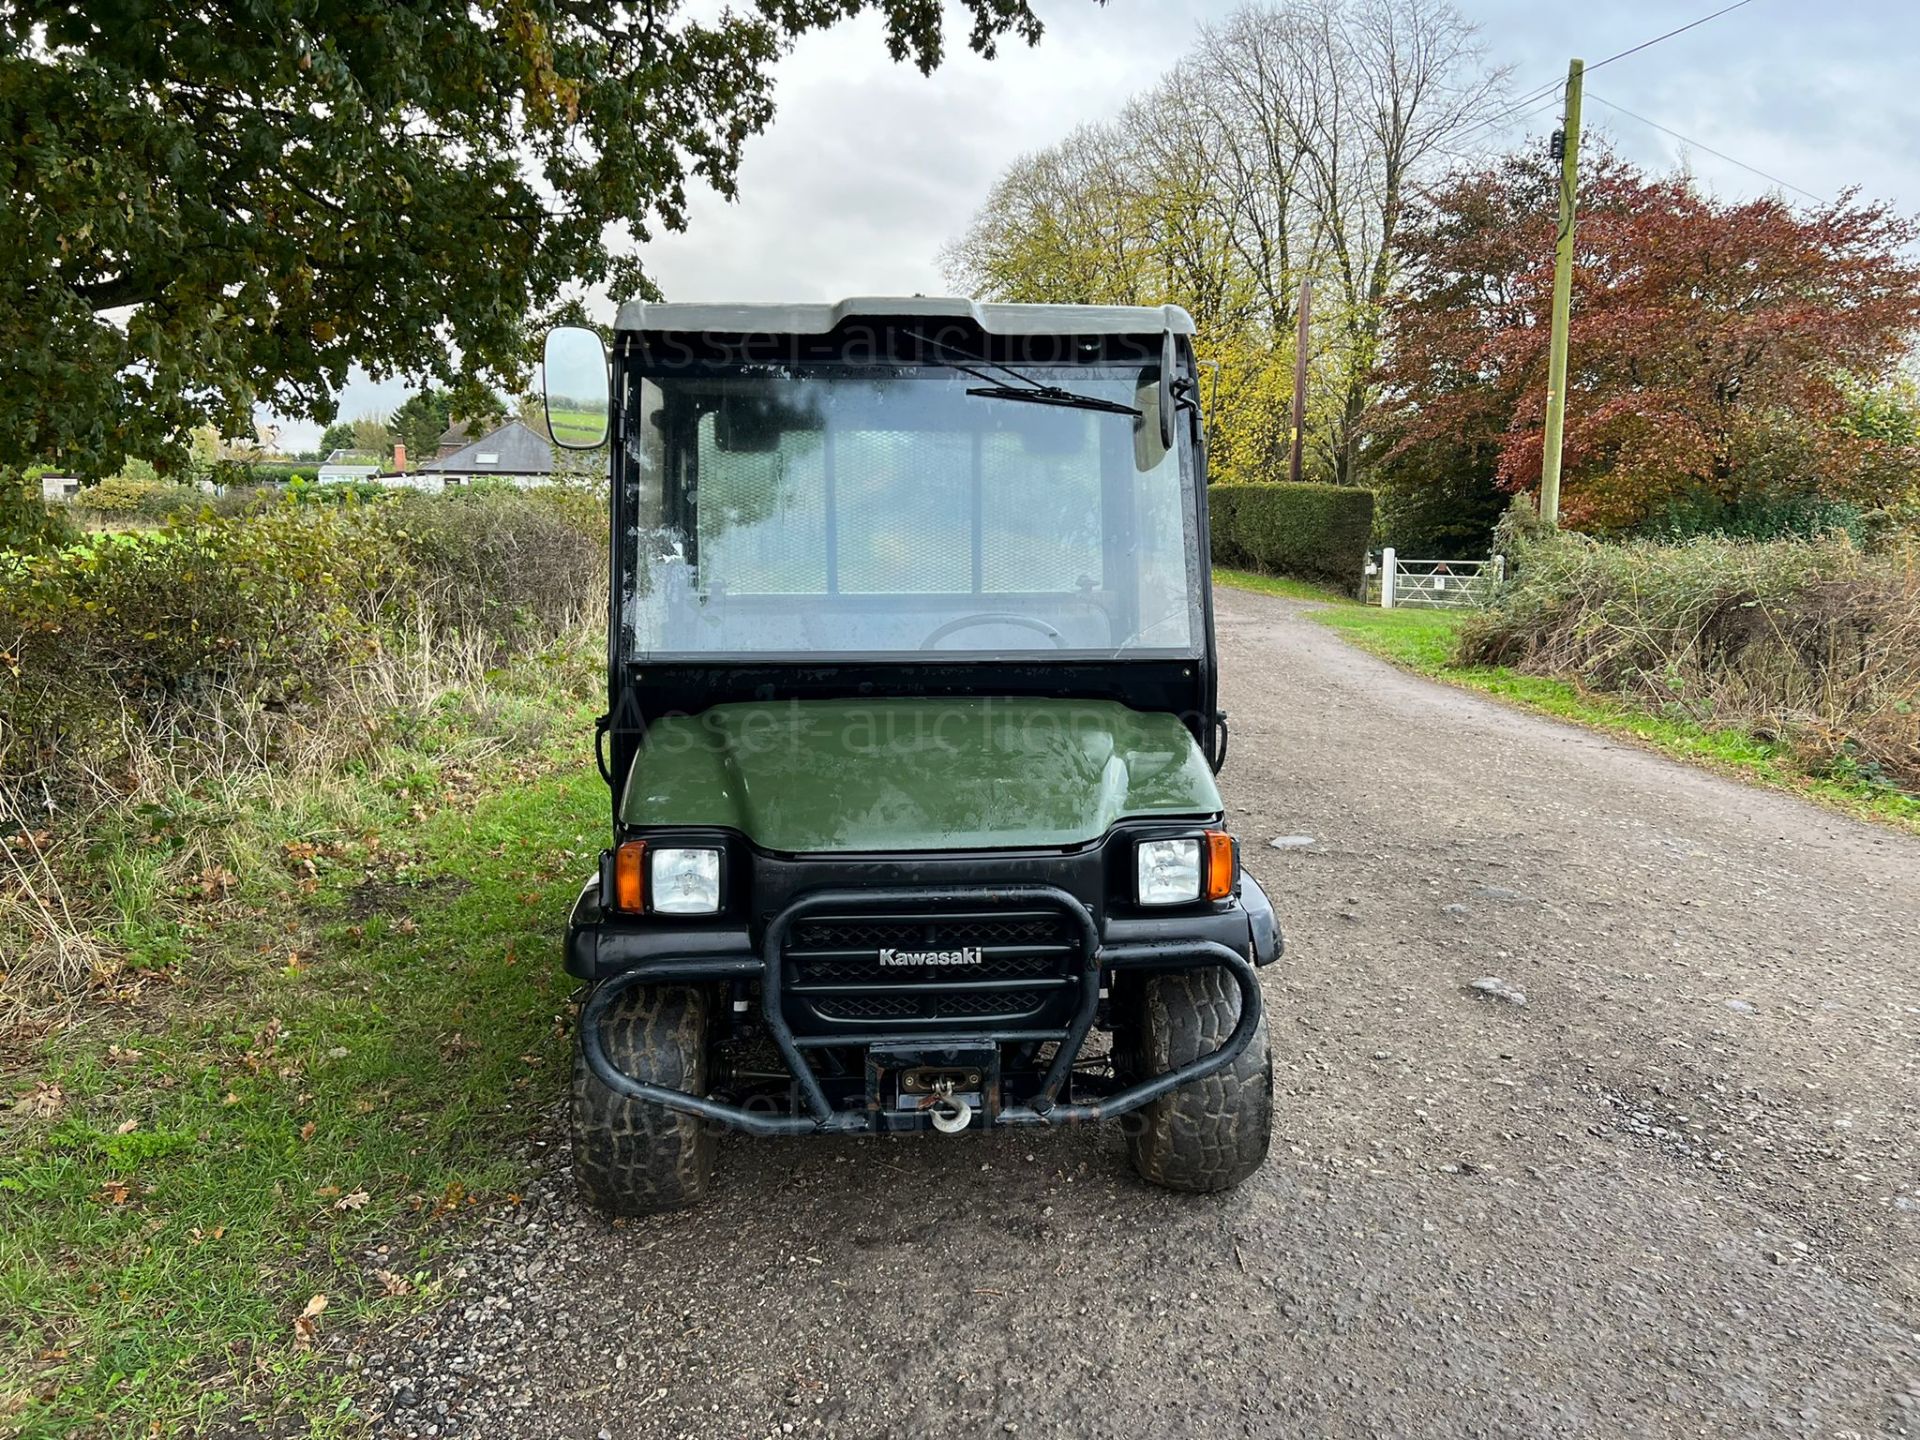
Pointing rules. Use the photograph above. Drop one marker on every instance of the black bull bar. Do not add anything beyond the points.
(1045, 1108)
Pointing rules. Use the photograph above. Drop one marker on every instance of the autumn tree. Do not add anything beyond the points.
(1718, 348)
(1283, 147)
(1352, 100)
(1129, 212)
(210, 207)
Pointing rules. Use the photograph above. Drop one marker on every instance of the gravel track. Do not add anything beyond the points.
(1661, 1179)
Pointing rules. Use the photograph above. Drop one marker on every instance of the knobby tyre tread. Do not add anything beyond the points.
(1214, 1133)
(633, 1157)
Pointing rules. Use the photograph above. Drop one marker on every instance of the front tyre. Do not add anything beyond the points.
(633, 1157)
(1214, 1133)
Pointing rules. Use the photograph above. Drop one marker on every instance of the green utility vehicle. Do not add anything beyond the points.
(911, 734)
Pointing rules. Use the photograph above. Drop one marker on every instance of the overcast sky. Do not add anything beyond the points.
(870, 168)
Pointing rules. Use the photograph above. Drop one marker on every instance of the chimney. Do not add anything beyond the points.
(399, 458)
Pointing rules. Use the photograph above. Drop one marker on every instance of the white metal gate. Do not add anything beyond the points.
(1434, 584)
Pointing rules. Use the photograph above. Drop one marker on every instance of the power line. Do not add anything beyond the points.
(1512, 111)
(1647, 44)
(1552, 85)
(1718, 154)
(1547, 109)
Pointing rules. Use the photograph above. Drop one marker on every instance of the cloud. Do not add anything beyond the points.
(869, 167)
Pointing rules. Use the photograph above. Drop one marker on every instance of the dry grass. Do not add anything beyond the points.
(111, 828)
(55, 954)
(1809, 642)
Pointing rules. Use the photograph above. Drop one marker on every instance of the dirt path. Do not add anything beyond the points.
(1675, 1192)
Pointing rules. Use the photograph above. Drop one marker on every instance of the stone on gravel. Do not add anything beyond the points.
(1498, 989)
(1290, 842)
(1744, 1007)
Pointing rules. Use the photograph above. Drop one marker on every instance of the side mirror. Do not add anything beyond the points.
(1169, 355)
(575, 376)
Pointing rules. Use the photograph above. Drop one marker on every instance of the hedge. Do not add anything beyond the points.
(119, 496)
(171, 632)
(1314, 532)
(266, 472)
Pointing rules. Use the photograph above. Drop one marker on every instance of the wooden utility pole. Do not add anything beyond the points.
(1300, 380)
(1562, 301)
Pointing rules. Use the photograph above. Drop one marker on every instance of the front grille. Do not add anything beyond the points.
(1026, 974)
(829, 933)
(959, 1005)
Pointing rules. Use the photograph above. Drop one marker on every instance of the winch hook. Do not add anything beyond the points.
(952, 1114)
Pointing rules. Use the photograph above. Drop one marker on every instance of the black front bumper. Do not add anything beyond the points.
(1235, 935)
(601, 944)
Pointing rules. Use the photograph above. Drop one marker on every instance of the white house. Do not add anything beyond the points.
(349, 465)
(515, 451)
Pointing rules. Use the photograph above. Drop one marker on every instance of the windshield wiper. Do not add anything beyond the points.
(1036, 393)
(1053, 395)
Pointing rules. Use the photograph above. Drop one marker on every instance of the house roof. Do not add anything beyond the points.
(459, 432)
(820, 319)
(513, 449)
(351, 457)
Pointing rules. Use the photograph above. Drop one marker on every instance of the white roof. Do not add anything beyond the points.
(819, 319)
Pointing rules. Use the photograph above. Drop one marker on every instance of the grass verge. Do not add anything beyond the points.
(1284, 586)
(1423, 641)
(271, 1116)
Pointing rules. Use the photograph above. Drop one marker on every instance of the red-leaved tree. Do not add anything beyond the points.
(1715, 347)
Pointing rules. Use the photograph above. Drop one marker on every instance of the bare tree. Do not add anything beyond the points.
(1130, 212)
(1350, 100)
(1285, 146)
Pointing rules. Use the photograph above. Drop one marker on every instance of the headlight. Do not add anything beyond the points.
(686, 882)
(1168, 871)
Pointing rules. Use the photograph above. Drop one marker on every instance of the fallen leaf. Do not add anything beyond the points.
(356, 1201)
(306, 1130)
(43, 1102)
(126, 1127)
(390, 1283)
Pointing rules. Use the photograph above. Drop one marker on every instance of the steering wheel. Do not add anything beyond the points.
(988, 617)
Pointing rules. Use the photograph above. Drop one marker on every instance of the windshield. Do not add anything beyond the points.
(860, 511)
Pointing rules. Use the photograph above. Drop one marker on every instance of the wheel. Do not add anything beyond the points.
(1213, 1133)
(632, 1157)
